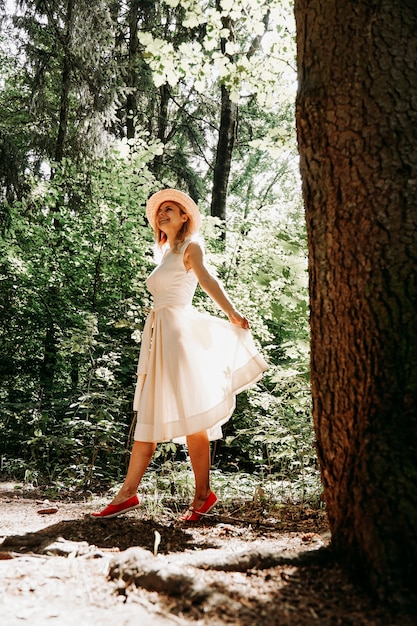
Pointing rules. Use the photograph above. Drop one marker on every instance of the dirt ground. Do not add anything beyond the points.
(243, 568)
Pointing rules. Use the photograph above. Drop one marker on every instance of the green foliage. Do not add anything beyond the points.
(69, 79)
(75, 248)
(244, 66)
(72, 275)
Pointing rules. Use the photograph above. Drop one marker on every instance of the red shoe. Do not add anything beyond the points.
(193, 515)
(113, 510)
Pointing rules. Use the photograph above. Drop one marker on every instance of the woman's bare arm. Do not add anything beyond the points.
(193, 259)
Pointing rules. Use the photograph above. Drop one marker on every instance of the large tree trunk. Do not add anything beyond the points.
(357, 132)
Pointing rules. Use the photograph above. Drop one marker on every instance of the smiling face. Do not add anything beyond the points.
(170, 218)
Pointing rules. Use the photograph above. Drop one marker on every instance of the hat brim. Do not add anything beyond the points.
(173, 195)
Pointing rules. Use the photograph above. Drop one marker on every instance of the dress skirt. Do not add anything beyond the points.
(196, 364)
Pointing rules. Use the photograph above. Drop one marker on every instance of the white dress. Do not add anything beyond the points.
(191, 364)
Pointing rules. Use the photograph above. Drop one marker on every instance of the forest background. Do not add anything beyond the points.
(102, 104)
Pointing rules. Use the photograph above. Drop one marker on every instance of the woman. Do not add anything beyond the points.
(191, 364)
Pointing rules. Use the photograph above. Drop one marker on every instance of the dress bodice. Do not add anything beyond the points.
(170, 283)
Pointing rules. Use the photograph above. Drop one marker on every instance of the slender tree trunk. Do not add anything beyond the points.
(357, 132)
(162, 121)
(224, 151)
(49, 362)
(131, 106)
(226, 141)
(65, 87)
(229, 118)
(48, 365)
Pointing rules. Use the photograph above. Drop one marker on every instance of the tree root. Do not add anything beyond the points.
(179, 575)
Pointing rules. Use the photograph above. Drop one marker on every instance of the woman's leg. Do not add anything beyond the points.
(199, 451)
(140, 457)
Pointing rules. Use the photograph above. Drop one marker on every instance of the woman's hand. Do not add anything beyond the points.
(238, 319)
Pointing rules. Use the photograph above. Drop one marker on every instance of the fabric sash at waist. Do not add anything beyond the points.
(147, 337)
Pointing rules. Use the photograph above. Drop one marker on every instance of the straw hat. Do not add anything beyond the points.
(180, 198)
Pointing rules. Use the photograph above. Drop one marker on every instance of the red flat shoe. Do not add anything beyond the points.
(193, 515)
(113, 510)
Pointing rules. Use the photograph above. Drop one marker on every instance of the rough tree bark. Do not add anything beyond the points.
(357, 133)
